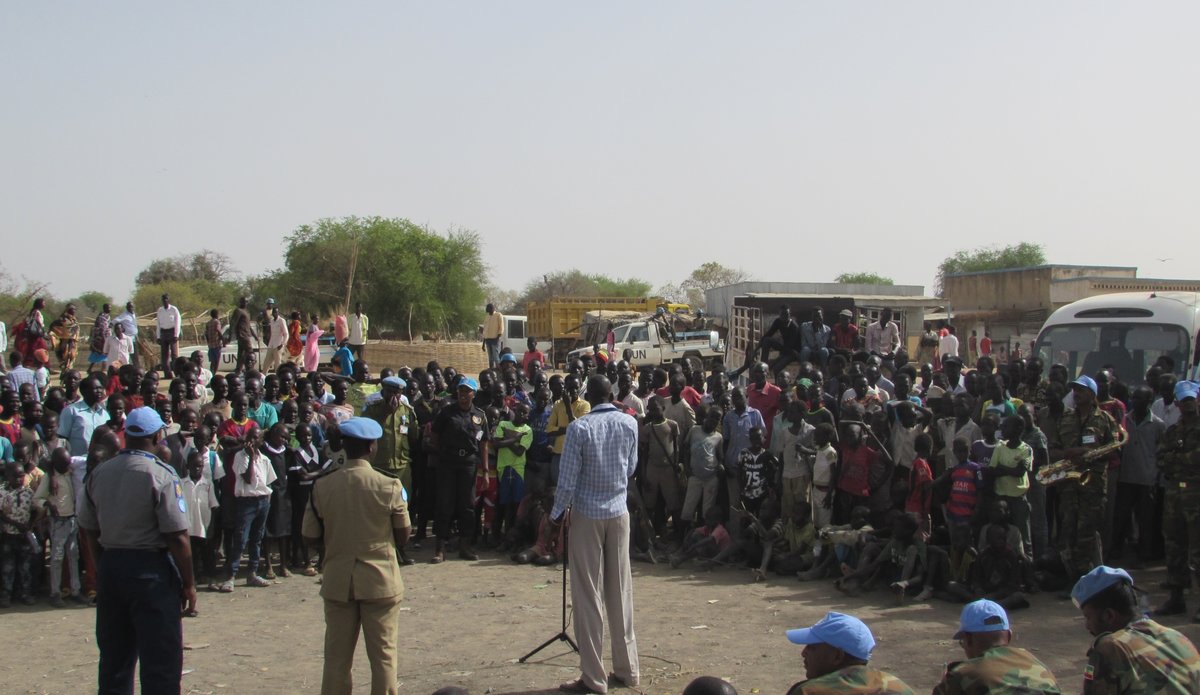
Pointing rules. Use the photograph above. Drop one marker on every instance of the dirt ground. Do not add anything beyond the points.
(467, 624)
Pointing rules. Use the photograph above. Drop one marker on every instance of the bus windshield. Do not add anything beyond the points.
(1127, 348)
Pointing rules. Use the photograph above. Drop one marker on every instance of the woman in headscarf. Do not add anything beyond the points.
(66, 336)
(312, 350)
(100, 333)
(295, 346)
(32, 333)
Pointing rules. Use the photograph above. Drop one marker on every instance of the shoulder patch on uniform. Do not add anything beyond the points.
(179, 500)
(476, 419)
(1089, 673)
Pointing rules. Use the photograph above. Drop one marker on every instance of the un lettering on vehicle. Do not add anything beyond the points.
(639, 354)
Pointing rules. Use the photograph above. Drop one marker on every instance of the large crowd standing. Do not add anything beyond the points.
(837, 459)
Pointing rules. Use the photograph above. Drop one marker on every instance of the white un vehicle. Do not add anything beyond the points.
(1129, 331)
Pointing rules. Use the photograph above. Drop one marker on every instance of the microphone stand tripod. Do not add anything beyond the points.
(562, 635)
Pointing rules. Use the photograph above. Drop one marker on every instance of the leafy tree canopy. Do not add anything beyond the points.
(572, 283)
(395, 268)
(863, 279)
(209, 266)
(706, 277)
(1022, 255)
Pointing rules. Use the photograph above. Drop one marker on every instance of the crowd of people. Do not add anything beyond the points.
(838, 460)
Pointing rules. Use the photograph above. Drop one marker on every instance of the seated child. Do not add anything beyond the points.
(840, 546)
(789, 543)
(551, 543)
(1000, 573)
(901, 562)
(705, 542)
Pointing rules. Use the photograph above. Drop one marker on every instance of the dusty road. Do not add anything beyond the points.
(467, 623)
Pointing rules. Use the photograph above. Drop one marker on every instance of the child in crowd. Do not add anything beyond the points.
(1009, 469)
(201, 497)
(757, 470)
(920, 483)
(304, 465)
(704, 542)
(963, 481)
(512, 440)
(999, 573)
(789, 544)
(55, 497)
(901, 562)
(703, 459)
(279, 518)
(16, 543)
(838, 547)
(797, 453)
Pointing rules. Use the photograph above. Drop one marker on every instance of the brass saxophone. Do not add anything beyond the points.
(1067, 470)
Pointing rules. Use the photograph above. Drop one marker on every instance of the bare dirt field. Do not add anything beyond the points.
(467, 624)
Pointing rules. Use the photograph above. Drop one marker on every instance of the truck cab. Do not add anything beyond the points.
(650, 346)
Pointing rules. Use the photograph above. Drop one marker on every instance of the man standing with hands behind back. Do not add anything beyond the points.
(493, 332)
(598, 459)
(362, 516)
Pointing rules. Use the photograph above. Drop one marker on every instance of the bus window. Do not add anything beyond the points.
(1129, 348)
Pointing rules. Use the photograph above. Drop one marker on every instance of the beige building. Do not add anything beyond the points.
(1011, 305)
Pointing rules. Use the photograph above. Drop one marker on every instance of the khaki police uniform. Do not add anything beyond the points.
(355, 509)
(130, 502)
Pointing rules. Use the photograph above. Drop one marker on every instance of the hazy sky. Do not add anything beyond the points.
(795, 140)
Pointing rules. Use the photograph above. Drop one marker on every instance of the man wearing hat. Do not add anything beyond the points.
(1131, 654)
(1082, 502)
(835, 655)
(461, 436)
(362, 517)
(845, 332)
(1179, 461)
(992, 666)
(135, 517)
(399, 430)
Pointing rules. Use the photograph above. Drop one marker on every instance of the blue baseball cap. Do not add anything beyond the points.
(393, 381)
(143, 422)
(468, 382)
(1186, 389)
(508, 357)
(361, 428)
(982, 616)
(845, 632)
(1099, 579)
(1086, 382)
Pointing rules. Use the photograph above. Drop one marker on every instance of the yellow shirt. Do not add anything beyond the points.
(558, 419)
(493, 326)
(356, 509)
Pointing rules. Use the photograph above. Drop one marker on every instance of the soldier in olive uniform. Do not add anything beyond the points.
(461, 435)
(1082, 503)
(836, 653)
(1131, 654)
(400, 431)
(362, 517)
(1179, 459)
(992, 666)
(135, 518)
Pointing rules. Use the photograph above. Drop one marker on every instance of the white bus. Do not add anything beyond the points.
(1128, 331)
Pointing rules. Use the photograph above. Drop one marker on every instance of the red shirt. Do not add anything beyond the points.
(689, 394)
(531, 356)
(845, 338)
(855, 477)
(231, 428)
(766, 402)
(985, 346)
(918, 497)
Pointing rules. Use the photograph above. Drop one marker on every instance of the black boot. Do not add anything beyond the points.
(1174, 604)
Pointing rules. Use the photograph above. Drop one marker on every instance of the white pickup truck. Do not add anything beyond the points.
(651, 347)
(229, 353)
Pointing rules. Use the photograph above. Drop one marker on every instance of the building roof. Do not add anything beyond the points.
(884, 299)
(1042, 267)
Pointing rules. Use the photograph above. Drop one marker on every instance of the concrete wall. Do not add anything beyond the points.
(1023, 289)
(1065, 291)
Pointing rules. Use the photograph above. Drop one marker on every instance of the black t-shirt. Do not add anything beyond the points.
(789, 331)
(461, 432)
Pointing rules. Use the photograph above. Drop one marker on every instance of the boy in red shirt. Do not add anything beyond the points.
(920, 482)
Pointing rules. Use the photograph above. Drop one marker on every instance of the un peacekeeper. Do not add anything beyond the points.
(1082, 505)
(400, 431)
(835, 659)
(992, 666)
(1179, 461)
(136, 521)
(460, 433)
(361, 516)
(1131, 654)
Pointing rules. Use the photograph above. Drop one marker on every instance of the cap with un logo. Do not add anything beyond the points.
(845, 632)
(981, 616)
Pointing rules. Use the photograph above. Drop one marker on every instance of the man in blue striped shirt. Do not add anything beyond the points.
(599, 457)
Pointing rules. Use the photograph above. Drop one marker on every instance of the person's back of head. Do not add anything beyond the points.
(709, 685)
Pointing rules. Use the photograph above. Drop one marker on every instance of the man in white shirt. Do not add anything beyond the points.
(169, 324)
(252, 501)
(883, 336)
(274, 353)
(128, 319)
(948, 344)
(356, 325)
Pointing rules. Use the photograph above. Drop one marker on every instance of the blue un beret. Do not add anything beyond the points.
(361, 428)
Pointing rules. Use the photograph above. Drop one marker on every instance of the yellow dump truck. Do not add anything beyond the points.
(560, 320)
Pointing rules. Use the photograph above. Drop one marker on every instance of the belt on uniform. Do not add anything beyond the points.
(822, 488)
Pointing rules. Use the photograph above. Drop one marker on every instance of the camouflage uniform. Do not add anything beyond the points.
(1081, 507)
(998, 670)
(1142, 657)
(1179, 460)
(852, 679)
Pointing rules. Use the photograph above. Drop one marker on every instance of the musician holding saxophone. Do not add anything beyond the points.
(1179, 460)
(1084, 436)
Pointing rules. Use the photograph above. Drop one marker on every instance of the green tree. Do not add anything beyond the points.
(709, 275)
(205, 265)
(576, 283)
(397, 269)
(195, 298)
(1022, 255)
(863, 279)
(91, 302)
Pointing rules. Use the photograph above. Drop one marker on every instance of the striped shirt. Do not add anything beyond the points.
(599, 456)
(23, 375)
